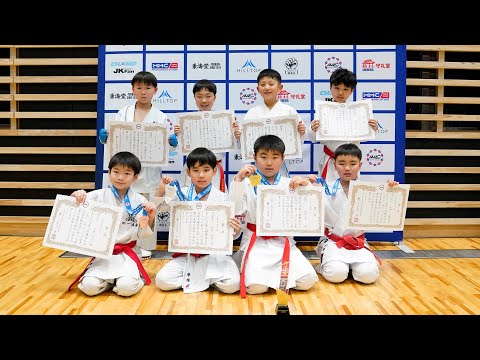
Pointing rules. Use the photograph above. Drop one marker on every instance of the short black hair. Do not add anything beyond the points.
(343, 76)
(144, 77)
(202, 156)
(269, 143)
(274, 74)
(348, 149)
(127, 159)
(205, 84)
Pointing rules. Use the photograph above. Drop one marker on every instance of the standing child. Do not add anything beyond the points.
(196, 272)
(342, 249)
(342, 84)
(264, 254)
(269, 84)
(123, 271)
(205, 94)
(144, 87)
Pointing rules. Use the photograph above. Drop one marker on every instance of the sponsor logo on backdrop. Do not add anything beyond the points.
(375, 157)
(327, 94)
(165, 66)
(124, 71)
(284, 96)
(123, 67)
(376, 95)
(248, 96)
(164, 98)
(332, 64)
(122, 96)
(237, 157)
(291, 66)
(248, 67)
(370, 65)
(381, 130)
(207, 66)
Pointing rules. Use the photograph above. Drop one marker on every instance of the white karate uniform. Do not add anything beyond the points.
(279, 109)
(264, 261)
(195, 274)
(184, 179)
(335, 263)
(119, 271)
(150, 176)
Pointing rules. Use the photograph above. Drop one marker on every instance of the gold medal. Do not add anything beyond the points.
(255, 179)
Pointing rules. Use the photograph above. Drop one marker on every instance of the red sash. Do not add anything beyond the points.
(222, 176)
(285, 260)
(350, 242)
(118, 248)
(330, 154)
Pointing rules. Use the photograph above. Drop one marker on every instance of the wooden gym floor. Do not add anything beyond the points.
(34, 281)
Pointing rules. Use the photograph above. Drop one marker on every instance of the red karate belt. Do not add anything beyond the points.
(350, 242)
(330, 154)
(222, 176)
(285, 257)
(118, 248)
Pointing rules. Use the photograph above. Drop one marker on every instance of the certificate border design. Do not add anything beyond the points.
(121, 125)
(285, 120)
(201, 116)
(365, 187)
(348, 105)
(179, 206)
(65, 201)
(263, 190)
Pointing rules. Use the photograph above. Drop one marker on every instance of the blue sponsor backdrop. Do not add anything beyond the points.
(305, 70)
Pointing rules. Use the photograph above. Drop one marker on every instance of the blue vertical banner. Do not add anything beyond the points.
(305, 71)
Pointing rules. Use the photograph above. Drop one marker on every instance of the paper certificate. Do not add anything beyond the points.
(210, 129)
(88, 229)
(285, 127)
(201, 227)
(376, 206)
(344, 121)
(149, 141)
(284, 211)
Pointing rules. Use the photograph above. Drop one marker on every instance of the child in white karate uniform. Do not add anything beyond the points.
(123, 271)
(260, 259)
(205, 94)
(342, 85)
(342, 249)
(196, 272)
(144, 87)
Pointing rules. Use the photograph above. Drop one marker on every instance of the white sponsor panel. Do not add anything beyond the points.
(378, 157)
(206, 66)
(329, 47)
(291, 47)
(292, 65)
(317, 151)
(122, 66)
(382, 94)
(166, 66)
(165, 47)
(302, 164)
(246, 66)
(243, 96)
(386, 127)
(169, 97)
(248, 47)
(235, 162)
(327, 62)
(123, 48)
(220, 101)
(118, 95)
(297, 95)
(376, 65)
(362, 47)
(206, 47)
